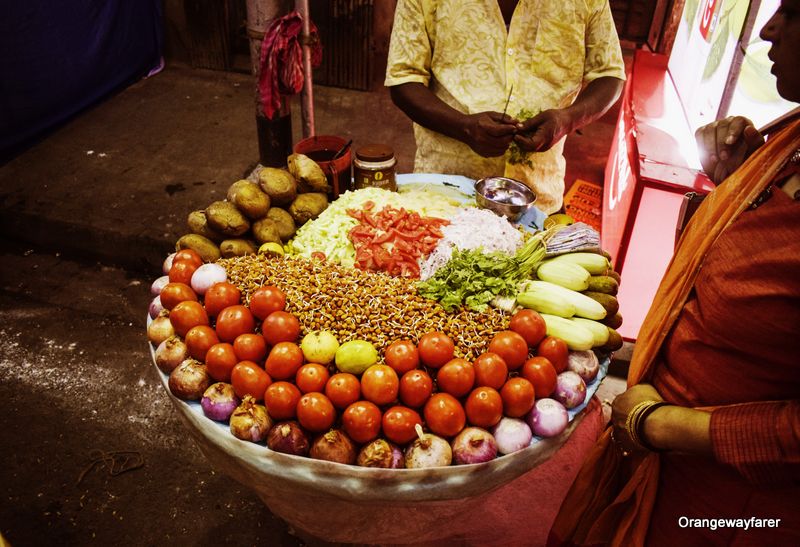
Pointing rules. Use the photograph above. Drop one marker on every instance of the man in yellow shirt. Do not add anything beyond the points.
(453, 64)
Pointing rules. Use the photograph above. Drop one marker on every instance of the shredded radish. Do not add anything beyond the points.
(472, 228)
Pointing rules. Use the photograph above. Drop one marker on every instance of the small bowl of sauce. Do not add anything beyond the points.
(504, 196)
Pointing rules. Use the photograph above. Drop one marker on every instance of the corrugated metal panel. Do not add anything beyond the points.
(345, 28)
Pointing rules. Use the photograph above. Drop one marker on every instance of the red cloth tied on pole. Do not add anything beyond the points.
(282, 60)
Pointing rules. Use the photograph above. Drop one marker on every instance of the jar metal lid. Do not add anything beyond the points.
(374, 153)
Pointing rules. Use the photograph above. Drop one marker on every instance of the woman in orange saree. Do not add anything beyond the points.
(704, 446)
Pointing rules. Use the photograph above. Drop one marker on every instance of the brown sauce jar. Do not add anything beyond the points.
(373, 167)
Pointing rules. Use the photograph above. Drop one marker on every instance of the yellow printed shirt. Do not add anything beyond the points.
(463, 52)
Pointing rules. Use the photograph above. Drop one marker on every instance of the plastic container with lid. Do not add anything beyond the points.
(373, 167)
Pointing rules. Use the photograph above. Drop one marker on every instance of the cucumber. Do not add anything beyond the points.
(613, 321)
(604, 284)
(566, 274)
(598, 330)
(614, 341)
(577, 337)
(609, 302)
(595, 264)
(546, 301)
(584, 306)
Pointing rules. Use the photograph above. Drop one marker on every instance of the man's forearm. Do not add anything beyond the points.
(423, 107)
(593, 101)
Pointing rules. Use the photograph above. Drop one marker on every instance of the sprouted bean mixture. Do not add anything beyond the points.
(359, 305)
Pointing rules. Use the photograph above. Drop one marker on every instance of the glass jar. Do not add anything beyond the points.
(373, 167)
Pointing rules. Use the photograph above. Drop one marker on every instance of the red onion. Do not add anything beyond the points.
(160, 329)
(428, 451)
(585, 363)
(474, 445)
(219, 401)
(156, 307)
(250, 421)
(170, 353)
(189, 380)
(289, 438)
(570, 389)
(381, 453)
(158, 284)
(334, 446)
(512, 434)
(206, 275)
(547, 418)
(165, 268)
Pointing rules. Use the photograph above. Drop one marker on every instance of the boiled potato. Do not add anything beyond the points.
(278, 184)
(284, 222)
(307, 207)
(225, 218)
(249, 199)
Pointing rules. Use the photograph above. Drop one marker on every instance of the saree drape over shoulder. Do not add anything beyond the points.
(724, 332)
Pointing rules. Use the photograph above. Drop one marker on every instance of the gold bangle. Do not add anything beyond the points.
(635, 421)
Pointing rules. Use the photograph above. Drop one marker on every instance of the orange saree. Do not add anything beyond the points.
(612, 498)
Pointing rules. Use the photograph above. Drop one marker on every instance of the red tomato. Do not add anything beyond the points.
(490, 370)
(315, 412)
(187, 314)
(174, 293)
(402, 356)
(266, 300)
(343, 389)
(542, 374)
(312, 377)
(554, 350)
(280, 326)
(518, 397)
(380, 385)
(435, 349)
(284, 360)
(249, 379)
(456, 377)
(399, 423)
(220, 360)
(416, 387)
(281, 400)
(233, 321)
(362, 421)
(199, 339)
(530, 325)
(444, 415)
(511, 347)
(484, 407)
(220, 296)
(250, 347)
(181, 271)
(188, 255)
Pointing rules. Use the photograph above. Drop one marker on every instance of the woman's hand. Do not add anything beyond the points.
(622, 406)
(725, 144)
(672, 428)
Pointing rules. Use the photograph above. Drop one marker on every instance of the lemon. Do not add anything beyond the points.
(319, 346)
(356, 356)
(558, 218)
(271, 248)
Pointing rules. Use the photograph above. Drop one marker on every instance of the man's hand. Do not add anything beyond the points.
(542, 131)
(489, 133)
(725, 144)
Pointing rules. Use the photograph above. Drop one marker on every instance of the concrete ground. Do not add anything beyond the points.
(86, 217)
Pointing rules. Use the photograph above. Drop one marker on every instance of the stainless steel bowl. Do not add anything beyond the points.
(504, 196)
